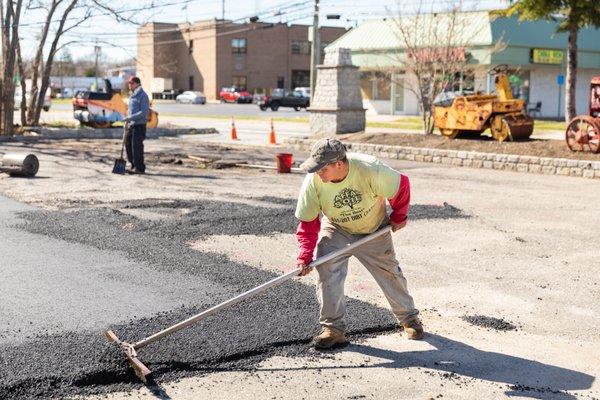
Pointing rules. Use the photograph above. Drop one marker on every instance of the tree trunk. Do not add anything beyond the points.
(21, 69)
(570, 109)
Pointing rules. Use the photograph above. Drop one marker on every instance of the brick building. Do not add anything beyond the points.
(211, 54)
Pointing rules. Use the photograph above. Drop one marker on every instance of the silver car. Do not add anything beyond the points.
(191, 97)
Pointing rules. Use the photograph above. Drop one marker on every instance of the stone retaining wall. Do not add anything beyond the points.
(110, 133)
(473, 159)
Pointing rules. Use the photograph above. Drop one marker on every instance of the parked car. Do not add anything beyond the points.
(284, 98)
(304, 90)
(235, 95)
(19, 96)
(191, 98)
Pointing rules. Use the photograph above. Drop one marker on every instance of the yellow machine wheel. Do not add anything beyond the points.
(500, 129)
(449, 133)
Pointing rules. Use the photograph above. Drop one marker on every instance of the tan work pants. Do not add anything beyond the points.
(377, 256)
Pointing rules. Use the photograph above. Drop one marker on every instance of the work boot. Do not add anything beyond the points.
(413, 329)
(329, 338)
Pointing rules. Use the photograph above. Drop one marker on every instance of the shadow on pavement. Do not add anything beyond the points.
(525, 377)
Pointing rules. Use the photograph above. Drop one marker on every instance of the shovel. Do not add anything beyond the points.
(130, 349)
(120, 163)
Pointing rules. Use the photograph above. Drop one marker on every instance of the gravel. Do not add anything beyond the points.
(497, 324)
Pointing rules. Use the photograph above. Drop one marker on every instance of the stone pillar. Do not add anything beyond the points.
(337, 104)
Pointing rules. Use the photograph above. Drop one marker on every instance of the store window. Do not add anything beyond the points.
(191, 46)
(240, 82)
(238, 46)
(300, 47)
(375, 85)
(191, 82)
(519, 84)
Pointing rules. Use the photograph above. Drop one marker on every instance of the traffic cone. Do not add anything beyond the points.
(272, 139)
(233, 130)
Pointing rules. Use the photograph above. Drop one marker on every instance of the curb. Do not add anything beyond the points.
(110, 133)
(472, 159)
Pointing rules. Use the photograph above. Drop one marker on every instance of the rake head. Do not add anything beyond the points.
(129, 350)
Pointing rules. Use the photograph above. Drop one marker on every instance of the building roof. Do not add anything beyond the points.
(472, 28)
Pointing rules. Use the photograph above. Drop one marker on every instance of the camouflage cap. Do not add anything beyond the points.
(323, 152)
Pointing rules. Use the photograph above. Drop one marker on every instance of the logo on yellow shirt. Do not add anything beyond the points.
(347, 197)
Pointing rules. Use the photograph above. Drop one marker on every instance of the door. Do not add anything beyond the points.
(398, 95)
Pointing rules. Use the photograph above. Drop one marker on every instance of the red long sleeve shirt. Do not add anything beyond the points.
(307, 233)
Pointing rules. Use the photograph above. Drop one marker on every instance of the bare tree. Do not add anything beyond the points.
(432, 54)
(10, 14)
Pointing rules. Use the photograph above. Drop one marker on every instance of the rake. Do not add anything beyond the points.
(130, 349)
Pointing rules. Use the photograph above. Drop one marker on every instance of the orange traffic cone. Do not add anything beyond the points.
(272, 139)
(233, 130)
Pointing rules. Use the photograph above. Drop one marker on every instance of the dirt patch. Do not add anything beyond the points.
(483, 144)
(497, 324)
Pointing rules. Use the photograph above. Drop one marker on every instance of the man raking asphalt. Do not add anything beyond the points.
(349, 192)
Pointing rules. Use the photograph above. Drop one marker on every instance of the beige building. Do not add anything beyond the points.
(208, 55)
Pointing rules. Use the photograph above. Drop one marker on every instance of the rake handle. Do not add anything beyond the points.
(123, 141)
(255, 291)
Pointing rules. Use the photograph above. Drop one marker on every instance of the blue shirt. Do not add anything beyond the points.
(139, 106)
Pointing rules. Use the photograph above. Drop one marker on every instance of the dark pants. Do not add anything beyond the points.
(134, 145)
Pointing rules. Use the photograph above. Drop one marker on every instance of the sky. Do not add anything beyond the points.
(117, 40)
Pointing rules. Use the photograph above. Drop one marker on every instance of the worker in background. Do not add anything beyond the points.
(350, 191)
(137, 117)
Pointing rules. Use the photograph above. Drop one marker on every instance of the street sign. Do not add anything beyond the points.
(560, 79)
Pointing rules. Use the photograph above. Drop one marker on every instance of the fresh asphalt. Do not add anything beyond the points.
(69, 274)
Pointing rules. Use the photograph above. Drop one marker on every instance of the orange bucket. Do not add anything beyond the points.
(284, 162)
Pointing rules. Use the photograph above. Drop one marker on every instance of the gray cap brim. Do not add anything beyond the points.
(311, 166)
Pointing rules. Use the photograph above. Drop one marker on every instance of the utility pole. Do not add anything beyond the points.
(97, 50)
(315, 51)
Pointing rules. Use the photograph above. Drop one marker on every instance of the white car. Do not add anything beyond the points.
(19, 96)
(191, 98)
(304, 90)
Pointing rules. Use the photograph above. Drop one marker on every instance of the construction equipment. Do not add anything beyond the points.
(103, 109)
(120, 164)
(455, 115)
(19, 164)
(130, 349)
(583, 131)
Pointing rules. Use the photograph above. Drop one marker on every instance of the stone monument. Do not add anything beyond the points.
(337, 104)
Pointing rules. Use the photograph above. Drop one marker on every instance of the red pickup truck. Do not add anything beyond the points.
(235, 95)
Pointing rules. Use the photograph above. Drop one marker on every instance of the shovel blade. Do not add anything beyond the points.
(119, 167)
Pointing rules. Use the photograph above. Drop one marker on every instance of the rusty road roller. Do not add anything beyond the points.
(583, 131)
(456, 115)
(19, 164)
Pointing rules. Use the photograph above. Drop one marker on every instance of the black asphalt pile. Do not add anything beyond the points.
(432, 211)
(496, 324)
(279, 322)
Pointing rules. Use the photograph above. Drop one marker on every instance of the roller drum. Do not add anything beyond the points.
(519, 125)
(17, 164)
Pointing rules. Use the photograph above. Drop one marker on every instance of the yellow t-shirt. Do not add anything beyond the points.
(356, 204)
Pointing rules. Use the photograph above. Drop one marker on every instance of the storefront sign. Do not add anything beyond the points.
(453, 54)
(546, 56)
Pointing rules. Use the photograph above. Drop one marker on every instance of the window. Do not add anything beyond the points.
(240, 82)
(375, 85)
(191, 46)
(238, 46)
(280, 82)
(300, 78)
(191, 82)
(300, 47)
